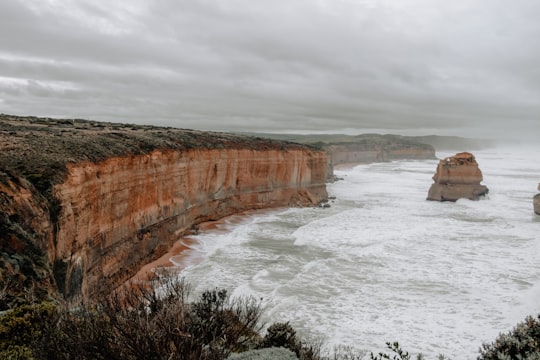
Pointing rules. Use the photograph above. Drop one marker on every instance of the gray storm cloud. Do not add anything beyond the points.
(306, 65)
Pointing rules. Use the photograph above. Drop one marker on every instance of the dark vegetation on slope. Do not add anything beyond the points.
(38, 148)
(145, 323)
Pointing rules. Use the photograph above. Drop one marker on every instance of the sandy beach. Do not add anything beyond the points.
(180, 248)
(184, 251)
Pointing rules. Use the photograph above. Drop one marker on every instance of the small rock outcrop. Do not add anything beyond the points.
(457, 177)
(536, 202)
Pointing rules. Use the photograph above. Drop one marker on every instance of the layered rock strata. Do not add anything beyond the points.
(119, 214)
(100, 217)
(536, 202)
(362, 149)
(457, 177)
(359, 153)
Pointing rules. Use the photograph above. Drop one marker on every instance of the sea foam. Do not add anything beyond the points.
(383, 264)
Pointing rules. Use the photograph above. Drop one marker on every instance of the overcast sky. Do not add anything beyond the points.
(469, 67)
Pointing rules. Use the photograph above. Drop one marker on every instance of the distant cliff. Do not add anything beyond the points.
(377, 148)
(364, 148)
(454, 142)
(84, 205)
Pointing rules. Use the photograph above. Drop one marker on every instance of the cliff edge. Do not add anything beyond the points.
(84, 204)
(457, 177)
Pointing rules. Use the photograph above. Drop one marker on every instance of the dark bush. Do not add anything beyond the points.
(283, 335)
(158, 322)
(139, 322)
(522, 342)
(394, 347)
(21, 326)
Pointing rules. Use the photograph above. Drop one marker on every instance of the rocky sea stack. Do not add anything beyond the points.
(457, 177)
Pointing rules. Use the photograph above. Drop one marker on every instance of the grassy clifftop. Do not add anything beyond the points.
(38, 148)
(437, 141)
(324, 141)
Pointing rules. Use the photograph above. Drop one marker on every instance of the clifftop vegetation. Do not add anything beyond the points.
(323, 140)
(38, 148)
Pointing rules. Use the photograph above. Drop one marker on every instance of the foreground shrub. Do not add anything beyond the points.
(136, 323)
(20, 326)
(394, 347)
(400, 354)
(521, 343)
(283, 335)
(159, 323)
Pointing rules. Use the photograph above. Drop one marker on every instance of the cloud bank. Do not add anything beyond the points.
(457, 67)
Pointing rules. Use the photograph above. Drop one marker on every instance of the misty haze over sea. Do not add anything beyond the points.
(383, 264)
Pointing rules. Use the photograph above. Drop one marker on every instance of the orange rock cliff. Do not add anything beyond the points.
(99, 218)
(363, 148)
(457, 177)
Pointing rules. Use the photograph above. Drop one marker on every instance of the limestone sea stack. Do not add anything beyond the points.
(457, 177)
(537, 202)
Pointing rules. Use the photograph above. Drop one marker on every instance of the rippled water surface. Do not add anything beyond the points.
(383, 264)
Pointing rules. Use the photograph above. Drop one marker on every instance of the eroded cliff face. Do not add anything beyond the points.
(457, 177)
(25, 233)
(121, 213)
(354, 153)
(92, 202)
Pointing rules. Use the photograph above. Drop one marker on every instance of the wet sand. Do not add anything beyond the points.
(148, 271)
(184, 252)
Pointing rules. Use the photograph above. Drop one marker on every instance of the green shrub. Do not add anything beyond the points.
(19, 327)
(152, 323)
(283, 335)
(159, 323)
(521, 343)
(400, 354)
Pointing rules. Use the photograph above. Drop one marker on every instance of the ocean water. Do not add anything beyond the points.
(383, 264)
